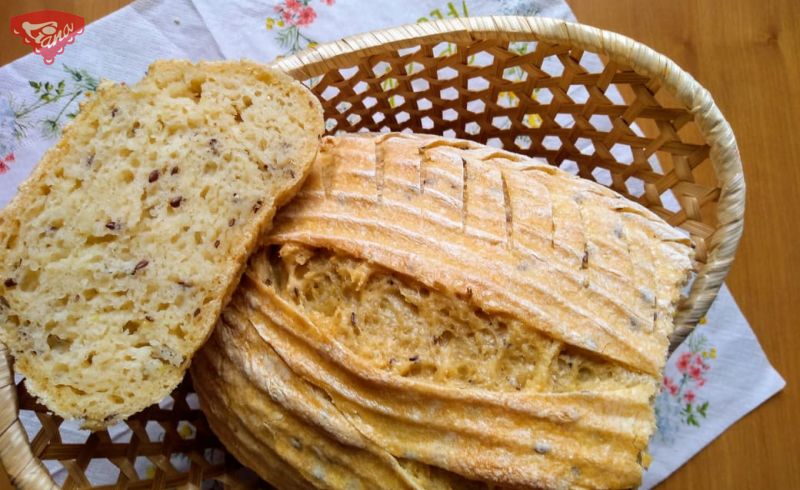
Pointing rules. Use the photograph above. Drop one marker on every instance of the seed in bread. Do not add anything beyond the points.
(121, 248)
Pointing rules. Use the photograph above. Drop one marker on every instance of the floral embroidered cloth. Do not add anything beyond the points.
(717, 376)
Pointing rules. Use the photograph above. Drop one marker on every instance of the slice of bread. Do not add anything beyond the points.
(120, 250)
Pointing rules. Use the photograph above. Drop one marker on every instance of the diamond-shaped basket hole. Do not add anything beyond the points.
(397, 100)
(444, 48)
(585, 146)
(214, 456)
(565, 120)
(402, 117)
(369, 102)
(56, 470)
(407, 131)
(166, 403)
(361, 87)
(495, 142)
(186, 430)
(381, 68)
(311, 82)
(353, 119)
(448, 93)
(31, 422)
(520, 48)
(602, 176)
(424, 104)
(476, 106)
(591, 62)
(655, 164)
(472, 128)
(481, 58)
(427, 122)
(144, 467)
(363, 130)
(551, 142)
(101, 472)
(348, 73)
(449, 115)
(71, 432)
(515, 74)
(378, 117)
(578, 94)
(343, 106)
(543, 95)
(420, 85)
(552, 66)
(120, 433)
(570, 166)
(614, 95)
(477, 84)
(601, 122)
(522, 142)
(329, 92)
(402, 52)
(501, 122)
(154, 431)
(622, 153)
(449, 133)
(669, 201)
(531, 120)
(414, 67)
(180, 462)
(446, 73)
(635, 186)
(507, 99)
(330, 124)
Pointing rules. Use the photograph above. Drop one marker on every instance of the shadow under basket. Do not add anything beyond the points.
(589, 101)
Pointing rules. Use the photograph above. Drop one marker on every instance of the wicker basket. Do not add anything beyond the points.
(587, 100)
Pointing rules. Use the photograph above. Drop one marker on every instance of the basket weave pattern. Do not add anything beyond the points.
(524, 84)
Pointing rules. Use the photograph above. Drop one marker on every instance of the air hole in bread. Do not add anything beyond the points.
(30, 280)
(58, 344)
(131, 327)
(196, 89)
(126, 176)
(94, 240)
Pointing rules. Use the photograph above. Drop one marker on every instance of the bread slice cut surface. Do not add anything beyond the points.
(123, 245)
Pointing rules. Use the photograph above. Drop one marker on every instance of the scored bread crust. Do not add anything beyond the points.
(130, 235)
(506, 245)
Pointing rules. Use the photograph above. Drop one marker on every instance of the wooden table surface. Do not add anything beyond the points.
(747, 53)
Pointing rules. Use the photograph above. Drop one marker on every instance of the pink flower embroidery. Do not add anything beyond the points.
(689, 396)
(695, 372)
(292, 5)
(5, 161)
(328, 2)
(683, 362)
(307, 16)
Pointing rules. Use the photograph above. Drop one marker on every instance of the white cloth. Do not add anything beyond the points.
(711, 381)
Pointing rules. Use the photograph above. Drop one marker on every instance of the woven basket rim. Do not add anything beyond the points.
(715, 129)
(26, 470)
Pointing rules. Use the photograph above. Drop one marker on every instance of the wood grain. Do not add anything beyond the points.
(745, 52)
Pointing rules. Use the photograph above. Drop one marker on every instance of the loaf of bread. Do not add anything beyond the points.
(433, 313)
(123, 245)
